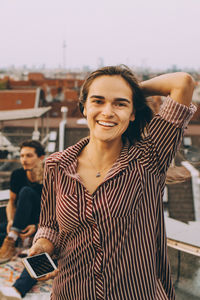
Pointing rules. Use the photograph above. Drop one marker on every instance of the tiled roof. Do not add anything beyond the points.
(17, 99)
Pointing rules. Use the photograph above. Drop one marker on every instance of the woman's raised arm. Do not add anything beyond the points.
(179, 86)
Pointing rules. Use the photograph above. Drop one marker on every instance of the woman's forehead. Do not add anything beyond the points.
(114, 84)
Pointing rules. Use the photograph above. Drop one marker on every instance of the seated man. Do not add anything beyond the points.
(23, 207)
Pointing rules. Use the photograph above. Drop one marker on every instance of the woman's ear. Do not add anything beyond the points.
(132, 117)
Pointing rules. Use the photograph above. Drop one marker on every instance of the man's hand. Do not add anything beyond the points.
(28, 231)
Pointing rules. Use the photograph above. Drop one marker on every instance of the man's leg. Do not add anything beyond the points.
(19, 289)
(24, 283)
(28, 209)
(27, 212)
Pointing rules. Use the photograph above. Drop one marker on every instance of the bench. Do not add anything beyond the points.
(4, 197)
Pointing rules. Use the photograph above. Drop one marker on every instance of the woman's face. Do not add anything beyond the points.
(108, 108)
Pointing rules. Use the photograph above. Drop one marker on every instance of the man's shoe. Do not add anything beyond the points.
(9, 293)
(7, 250)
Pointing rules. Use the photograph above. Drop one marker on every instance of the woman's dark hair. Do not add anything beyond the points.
(143, 113)
(39, 149)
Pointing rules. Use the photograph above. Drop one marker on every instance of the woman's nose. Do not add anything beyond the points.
(107, 110)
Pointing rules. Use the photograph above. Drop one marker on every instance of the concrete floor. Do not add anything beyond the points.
(188, 287)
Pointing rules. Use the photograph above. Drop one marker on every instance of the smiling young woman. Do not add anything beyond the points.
(109, 110)
(102, 208)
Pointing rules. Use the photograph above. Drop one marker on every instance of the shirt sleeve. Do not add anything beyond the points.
(166, 131)
(48, 226)
(14, 186)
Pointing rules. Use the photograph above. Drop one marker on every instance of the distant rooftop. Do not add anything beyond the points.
(19, 114)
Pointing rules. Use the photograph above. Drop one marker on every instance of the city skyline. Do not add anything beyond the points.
(148, 34)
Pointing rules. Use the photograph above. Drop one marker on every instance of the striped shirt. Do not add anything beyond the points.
(112, 244)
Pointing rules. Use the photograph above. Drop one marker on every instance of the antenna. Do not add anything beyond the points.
(64, 54)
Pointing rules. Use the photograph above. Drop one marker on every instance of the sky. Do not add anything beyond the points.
(143, 33)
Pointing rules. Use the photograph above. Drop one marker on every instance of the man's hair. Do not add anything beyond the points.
(39, 149)
(143, 113)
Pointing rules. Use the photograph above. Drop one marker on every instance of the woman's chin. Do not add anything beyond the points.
(106, 139)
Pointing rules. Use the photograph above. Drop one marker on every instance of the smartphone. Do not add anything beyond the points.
(39, 265)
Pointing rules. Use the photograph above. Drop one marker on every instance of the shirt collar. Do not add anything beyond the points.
(68, 158)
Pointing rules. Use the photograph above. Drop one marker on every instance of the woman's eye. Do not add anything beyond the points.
(120, 104)
(97, 101)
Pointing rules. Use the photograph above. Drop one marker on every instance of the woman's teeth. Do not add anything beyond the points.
(106, 124)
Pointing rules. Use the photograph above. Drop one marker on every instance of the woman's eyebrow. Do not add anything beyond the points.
(119, 99)
(122, 100)
(97, 97)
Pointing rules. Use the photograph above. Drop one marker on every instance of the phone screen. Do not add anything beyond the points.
(40, 264)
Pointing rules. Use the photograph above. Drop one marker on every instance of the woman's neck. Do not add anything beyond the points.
(103, 153)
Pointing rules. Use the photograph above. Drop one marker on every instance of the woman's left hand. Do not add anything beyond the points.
(49, 276)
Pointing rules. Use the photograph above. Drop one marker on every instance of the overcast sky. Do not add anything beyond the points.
(148, 33)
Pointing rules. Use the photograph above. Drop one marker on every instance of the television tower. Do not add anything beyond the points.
(64, 54)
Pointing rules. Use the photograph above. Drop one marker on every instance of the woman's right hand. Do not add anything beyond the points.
(41, 245)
